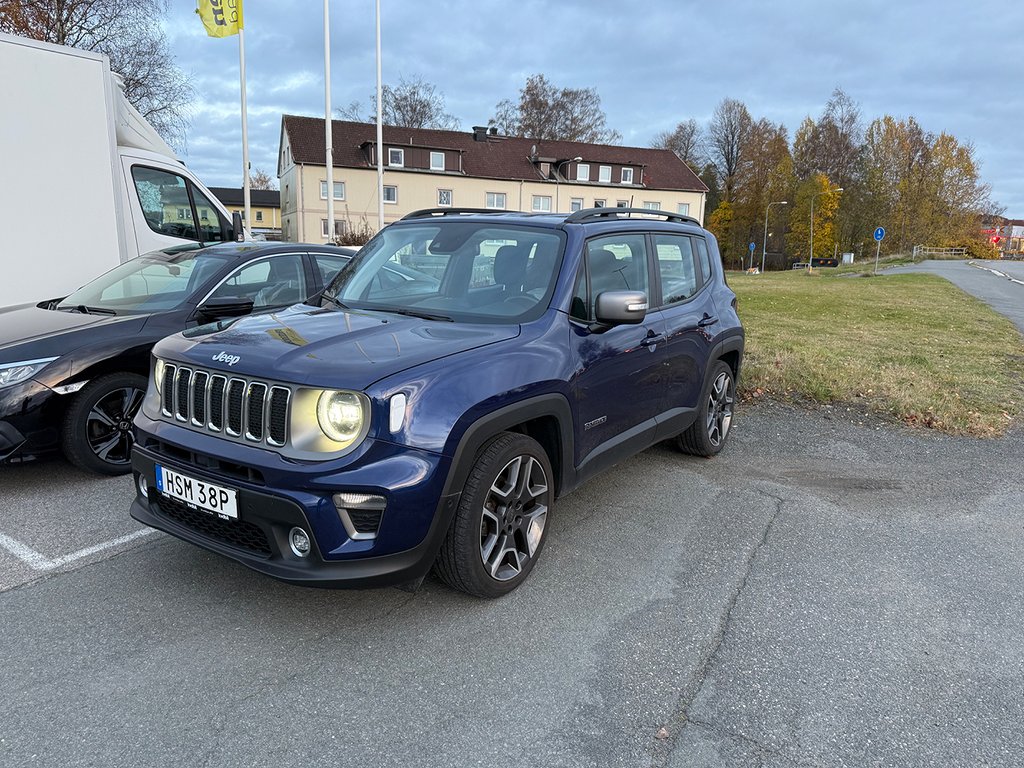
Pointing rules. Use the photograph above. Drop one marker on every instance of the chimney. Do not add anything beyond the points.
(479, 133)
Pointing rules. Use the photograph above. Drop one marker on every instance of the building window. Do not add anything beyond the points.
(683, 208)
(339, 190)
(622, 203)
(575, 204)
(627, 175)
(600, 203)
(652, 206)
(390, 194)
(495, 200)
(437, 161)
(339, 228)
(541, 204)
(444, 198)
(259, 215)
(396, 157)
(604, 174)
(582, 172)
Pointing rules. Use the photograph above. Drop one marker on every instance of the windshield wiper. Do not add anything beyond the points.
(333, 301)
(412, 313)
(83, 309)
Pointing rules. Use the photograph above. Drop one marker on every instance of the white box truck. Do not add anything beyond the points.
(86, 182)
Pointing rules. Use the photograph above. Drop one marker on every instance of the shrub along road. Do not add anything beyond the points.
(824, 593)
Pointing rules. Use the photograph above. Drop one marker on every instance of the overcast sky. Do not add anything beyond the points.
(955, 66)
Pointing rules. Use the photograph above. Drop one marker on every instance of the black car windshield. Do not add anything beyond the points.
(154, 282)
(485, 272)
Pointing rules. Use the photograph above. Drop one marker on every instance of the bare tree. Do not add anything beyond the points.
(410, 104)
(260, 179)
(727, 134)
(686, 140)
(547, 113)
(129, 33)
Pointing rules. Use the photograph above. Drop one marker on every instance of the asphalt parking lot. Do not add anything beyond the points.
(831, 591)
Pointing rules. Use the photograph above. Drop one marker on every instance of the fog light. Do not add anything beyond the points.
(298, 540)
(143, 486)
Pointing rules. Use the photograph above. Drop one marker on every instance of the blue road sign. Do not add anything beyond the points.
(879, 234)
(752, 247)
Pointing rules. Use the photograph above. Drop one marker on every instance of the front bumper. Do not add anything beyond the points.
(410, 534)
(29, 419)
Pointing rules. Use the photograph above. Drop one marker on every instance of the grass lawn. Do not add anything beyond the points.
(913, 346)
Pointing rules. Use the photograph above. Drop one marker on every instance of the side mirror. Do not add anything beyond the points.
(620, 308)
(224, 306)
(236, 227)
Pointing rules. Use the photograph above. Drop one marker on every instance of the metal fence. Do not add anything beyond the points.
(931, 252)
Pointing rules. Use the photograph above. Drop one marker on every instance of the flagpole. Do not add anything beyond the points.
(327, 122)
(245, 131)
(380, 136)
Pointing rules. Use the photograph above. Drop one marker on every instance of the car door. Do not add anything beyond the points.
(685, 300)
(620, 372)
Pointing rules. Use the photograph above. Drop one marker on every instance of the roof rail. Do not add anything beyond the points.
(595, 214)
(428, 213)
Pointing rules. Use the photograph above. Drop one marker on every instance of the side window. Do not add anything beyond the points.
(676, 267)
(164, 200)
(578, 307)
(705, 258)
(273, 282)
(328, 265)
(616, 263)
(209, 219)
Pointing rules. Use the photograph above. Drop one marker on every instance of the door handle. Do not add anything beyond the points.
(707, 320)
(652, 339)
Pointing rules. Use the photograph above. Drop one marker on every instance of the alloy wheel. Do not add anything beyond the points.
(720, 402)
(514, 515)
(108, 425)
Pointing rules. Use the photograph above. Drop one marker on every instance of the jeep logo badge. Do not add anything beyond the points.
(224, 357)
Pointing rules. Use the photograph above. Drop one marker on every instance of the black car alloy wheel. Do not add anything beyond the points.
(98, 433)
(720, 401)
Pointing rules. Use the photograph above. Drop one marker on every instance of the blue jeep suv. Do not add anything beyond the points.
(463, 371)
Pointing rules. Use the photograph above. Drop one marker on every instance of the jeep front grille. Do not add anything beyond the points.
(238, 407)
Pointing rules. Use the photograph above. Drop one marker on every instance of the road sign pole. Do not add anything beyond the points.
(878, 248)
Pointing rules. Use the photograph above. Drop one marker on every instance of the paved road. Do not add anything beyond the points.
(998, 283)
(825, 593)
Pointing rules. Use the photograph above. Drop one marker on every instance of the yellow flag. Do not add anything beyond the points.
(222, 18)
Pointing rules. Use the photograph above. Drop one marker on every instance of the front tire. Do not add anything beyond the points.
(499, 526)
(97, 434)
(706, 436)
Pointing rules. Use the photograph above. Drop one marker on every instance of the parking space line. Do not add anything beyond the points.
(40, 562)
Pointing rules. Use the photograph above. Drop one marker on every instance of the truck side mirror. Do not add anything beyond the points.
(236, 227)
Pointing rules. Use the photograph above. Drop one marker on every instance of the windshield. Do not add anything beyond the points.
(154, 282)
(453, 270)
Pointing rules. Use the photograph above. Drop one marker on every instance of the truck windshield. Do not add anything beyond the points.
(453, 270)
(155, 282)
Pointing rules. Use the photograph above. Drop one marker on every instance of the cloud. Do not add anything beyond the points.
(653, 65)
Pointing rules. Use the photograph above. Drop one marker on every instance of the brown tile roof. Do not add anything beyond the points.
(499, 157)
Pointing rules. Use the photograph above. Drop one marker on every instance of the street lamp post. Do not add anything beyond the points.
(810, 259)
(764, 246)
(572, 160)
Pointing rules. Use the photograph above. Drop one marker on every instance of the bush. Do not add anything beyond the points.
(355, 234)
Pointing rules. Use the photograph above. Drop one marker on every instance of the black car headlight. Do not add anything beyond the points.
(15, 373)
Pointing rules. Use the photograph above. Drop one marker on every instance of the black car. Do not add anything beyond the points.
(73, 370)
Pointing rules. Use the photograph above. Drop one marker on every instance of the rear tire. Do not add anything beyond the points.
(98, 434)
(501, 521)
(707, 435)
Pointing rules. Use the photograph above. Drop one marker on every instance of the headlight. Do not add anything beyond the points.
(340, 415)
(158, 375)
(15, 373)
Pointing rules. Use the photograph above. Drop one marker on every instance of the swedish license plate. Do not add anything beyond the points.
(197, 493)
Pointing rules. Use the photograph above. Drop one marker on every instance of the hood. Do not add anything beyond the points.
(325, 347)
(27, 330)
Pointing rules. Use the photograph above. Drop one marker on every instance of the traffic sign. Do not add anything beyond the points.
(879, 234)
(752, 247)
